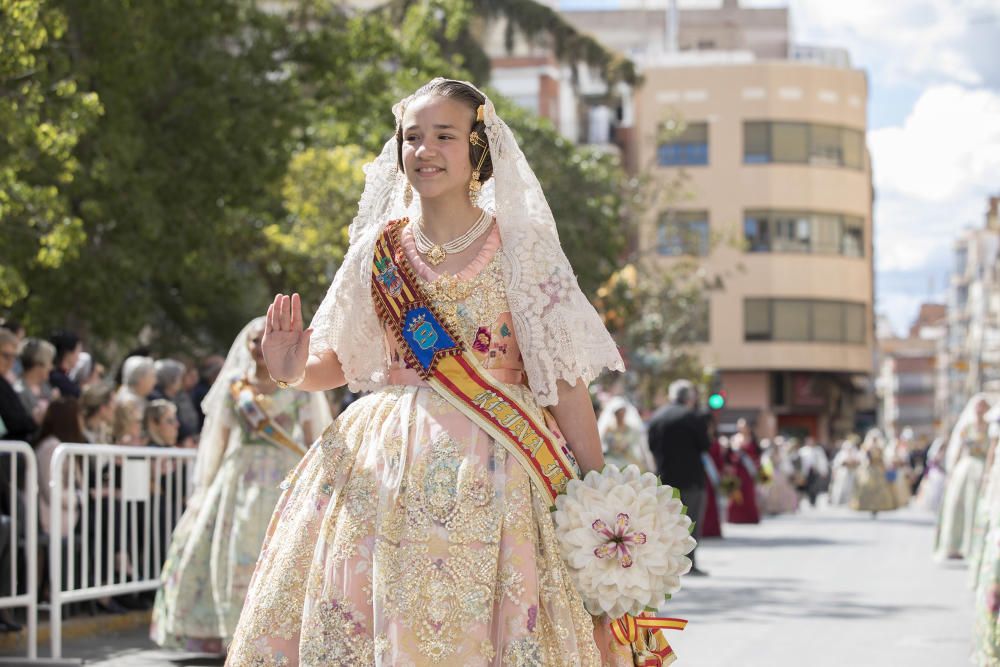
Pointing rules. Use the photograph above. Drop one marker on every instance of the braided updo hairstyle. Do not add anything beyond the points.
(472, 98)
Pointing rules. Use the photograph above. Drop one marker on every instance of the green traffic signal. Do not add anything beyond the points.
(717, 401)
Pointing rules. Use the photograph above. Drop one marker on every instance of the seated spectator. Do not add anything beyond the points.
(138, 382)
(126, 423)
(15, 422)
(208, 370)
(170, 375)
(16, 328)
(97, 405)
(68, 350)
(141, 351)
(87, 371)
(62, 423)
(161, 423)
(37, 357)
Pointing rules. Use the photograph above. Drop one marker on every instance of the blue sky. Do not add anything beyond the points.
(934, 124)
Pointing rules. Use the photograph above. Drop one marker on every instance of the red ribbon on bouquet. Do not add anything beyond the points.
(645, 635)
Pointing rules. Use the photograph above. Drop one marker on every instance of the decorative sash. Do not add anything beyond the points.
(256, 417)
(713, 473)
(748, 464)
(442, 360)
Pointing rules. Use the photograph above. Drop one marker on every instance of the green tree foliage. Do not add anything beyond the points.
(320, 192)
(657, 317)
(226, 164)
(43, 114)
(180, 173)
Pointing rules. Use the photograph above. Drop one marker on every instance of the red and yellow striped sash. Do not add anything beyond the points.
(442, 360)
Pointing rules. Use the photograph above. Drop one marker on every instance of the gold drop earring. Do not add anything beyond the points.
(474, 187)
(474, 184)
(407, 194)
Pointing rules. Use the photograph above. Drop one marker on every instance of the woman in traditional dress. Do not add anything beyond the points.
(741, 460)
(984, 562)
(898, 468)
(932, 485)
(255, 434)
(967, 451)
(873, 493)
(778, 495)
(988, 489)
(409, 534)
(623, 436)
(845, 472)
(711, 521)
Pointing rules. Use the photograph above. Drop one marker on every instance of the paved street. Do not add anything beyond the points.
(825, 588)
(822, 588)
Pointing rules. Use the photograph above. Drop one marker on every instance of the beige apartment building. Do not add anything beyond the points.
(775, 197)
(776, 173)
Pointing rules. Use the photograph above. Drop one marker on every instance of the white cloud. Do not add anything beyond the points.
(947, 147)
(933, 174)
(918, 41)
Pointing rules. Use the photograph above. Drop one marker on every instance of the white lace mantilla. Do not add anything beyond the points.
(560, 334)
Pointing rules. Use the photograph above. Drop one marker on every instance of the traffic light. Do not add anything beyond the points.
(716, 394)
(717, 400)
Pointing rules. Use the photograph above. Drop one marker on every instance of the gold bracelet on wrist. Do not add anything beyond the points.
(294, 383)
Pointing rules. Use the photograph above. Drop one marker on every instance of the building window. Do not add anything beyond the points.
(689, 148)
(802, 143)
(854, 237)
(683, 233)
(802, 320)
(805, 232)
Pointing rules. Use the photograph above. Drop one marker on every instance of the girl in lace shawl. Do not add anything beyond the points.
(408, 535)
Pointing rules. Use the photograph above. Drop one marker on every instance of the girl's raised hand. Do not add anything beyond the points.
(285, 345)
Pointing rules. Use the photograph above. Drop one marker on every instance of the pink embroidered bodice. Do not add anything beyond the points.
(474, 305)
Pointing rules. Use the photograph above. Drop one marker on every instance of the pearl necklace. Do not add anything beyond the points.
(435, 253)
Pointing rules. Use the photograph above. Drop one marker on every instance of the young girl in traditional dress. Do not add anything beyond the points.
(255, 433)
(409, 535)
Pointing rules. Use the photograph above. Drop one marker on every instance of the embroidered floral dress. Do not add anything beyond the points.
(873, 493)
(985, 575)
(408, 536)
(213, 550)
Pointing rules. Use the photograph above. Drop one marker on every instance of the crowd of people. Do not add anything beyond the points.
(738, 478)
(52, 392)
(248, 433)
(727, 474)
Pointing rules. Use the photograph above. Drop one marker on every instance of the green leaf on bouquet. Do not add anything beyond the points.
(676, 493)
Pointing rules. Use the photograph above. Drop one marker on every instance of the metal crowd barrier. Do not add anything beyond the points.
(124, 504)
(12, 452)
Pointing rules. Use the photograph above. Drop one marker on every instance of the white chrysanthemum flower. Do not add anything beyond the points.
(625, 538)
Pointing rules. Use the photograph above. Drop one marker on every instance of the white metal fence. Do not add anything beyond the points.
(21, 517)
(115, 508)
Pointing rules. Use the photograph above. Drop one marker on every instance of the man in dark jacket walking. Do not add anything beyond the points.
(678, 437)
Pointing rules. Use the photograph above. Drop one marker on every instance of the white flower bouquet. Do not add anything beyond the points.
(625, 538)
